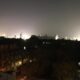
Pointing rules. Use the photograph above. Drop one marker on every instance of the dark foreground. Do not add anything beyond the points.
(40, 59)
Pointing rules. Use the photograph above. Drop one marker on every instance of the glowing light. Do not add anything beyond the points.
(4, 35)
(76, 38)
(25, 36)
(18, 63)
(24, 48)
(30, 61)
(66, 38)
(56, 37)
(78, 63)
(17, 36)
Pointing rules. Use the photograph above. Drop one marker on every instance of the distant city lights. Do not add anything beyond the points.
(27, 36)
(3, 35)
(56, 37)
(23, 36)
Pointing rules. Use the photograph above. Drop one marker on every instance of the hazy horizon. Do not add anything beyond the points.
(34, 17)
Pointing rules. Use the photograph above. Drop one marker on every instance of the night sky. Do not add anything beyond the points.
(50, 17)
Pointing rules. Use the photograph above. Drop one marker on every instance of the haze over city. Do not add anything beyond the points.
(39, 39)
(50, 17)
